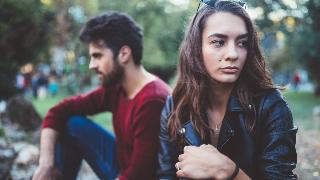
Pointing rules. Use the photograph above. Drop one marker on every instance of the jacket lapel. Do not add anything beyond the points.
(227, 131)
(191, 136)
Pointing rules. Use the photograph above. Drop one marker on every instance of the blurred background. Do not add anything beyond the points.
(42, 61)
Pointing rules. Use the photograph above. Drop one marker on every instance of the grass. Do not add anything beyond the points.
(301, 104)
(43, 105)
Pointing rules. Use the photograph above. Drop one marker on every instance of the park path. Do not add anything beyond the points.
(308, 149)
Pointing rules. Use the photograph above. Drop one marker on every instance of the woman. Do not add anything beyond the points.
(225, 119)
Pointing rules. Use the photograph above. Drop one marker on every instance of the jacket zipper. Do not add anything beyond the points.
(231, 134)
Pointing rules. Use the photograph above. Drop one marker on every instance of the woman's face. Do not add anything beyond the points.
(224, 46)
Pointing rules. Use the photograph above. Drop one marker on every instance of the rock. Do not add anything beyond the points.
(7, 156)
(14, 134)
(316, 111)
(27, 156)
(19, 146)
(3, 143)
(2, 106)
(22, 173)
(21, 112)
(26, 161)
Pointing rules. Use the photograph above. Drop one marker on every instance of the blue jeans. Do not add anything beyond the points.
(83, 139)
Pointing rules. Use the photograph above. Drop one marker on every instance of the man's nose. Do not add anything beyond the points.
(92, 64)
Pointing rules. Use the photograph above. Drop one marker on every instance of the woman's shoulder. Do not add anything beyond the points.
(168, 106)
(272, 104)
(270, 97)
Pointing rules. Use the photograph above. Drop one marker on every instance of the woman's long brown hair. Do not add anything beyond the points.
(191, 91)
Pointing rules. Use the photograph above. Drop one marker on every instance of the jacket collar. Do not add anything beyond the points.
(227, 131)
(193, 138)
(234, 105)
(190, 134)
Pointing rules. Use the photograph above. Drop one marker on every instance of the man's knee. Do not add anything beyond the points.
(76, 125)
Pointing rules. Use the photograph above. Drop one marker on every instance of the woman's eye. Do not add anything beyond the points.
(217, 43)
(243, 43)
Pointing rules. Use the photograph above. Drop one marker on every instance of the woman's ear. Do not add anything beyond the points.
(125, 54)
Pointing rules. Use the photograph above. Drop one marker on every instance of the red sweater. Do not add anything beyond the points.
(136, 123)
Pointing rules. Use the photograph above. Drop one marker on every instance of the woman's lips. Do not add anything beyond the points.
(230, 70)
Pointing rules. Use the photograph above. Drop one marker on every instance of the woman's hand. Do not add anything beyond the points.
(204, 162)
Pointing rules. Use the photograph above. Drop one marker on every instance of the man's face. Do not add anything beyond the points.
(105, 65)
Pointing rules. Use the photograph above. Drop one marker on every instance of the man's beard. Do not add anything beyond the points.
(115, 76)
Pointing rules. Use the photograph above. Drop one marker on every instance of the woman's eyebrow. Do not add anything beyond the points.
(222, 36)
(242, 36)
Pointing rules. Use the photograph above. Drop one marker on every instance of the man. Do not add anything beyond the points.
(134, 96)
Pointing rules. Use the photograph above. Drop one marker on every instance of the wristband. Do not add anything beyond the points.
(235, 172)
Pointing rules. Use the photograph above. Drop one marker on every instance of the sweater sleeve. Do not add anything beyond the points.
(84, 104)
(143, 163)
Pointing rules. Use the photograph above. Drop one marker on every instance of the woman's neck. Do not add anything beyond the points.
(219, 96)
(218, 102)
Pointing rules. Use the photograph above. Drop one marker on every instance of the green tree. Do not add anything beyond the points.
(24, 29)
(305, 44)
(278, 24)
(163, 24)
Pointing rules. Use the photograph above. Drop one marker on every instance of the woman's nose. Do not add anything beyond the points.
(231, 52)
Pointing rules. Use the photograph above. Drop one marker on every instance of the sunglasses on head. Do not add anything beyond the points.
(213, 2)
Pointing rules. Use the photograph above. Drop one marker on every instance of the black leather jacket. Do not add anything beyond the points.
(269, 153)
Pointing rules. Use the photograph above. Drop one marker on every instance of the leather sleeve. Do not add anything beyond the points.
(167, 153)
(278, 139)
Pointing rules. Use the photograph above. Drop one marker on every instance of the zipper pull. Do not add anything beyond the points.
(182, 131)
(231, 132)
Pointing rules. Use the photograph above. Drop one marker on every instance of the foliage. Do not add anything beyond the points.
(24, 29)
(299, 22)
(277, 18)
(163, 24)
(2, 134)
(305, 44)
(265, 23)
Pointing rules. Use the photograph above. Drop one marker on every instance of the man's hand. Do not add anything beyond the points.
(47, 173)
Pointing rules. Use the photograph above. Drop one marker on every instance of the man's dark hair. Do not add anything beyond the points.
(115, 30)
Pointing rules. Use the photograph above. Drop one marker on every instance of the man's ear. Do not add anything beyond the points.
(125, 54)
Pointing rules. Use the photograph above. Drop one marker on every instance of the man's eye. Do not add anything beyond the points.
(96, 56)
(217, 43)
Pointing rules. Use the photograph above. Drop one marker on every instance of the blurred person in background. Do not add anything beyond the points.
(133, 95)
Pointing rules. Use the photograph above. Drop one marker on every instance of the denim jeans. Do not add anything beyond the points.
(83, 139)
